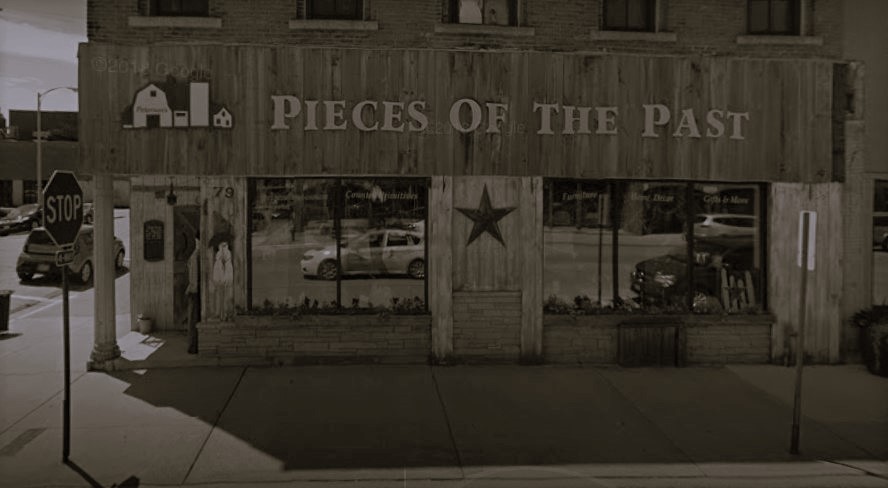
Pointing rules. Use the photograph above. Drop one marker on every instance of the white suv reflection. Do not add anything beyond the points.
(384, 251)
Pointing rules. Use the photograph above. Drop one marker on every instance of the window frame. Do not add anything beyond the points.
(358, 14)
(652, 21)
(154, 9)
(514, 14)
(612, 185)
(795, 18)
(339, 191)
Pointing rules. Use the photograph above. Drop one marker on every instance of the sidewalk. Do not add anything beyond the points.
(450, 426)
(397, 426)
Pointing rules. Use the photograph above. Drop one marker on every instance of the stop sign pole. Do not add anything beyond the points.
(62, 218)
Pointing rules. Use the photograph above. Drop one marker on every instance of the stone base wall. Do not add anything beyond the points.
(320, 339)
(487, 326)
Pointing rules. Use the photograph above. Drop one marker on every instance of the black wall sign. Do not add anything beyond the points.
(153, 240)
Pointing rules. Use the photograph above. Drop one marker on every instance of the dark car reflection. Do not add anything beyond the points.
(25, 217)
(725, 277)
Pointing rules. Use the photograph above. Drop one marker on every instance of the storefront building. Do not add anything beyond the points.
(526, 181)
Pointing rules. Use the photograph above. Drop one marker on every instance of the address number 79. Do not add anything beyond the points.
(227, 191)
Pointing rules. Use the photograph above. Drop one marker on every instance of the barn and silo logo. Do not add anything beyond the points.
(177, 105)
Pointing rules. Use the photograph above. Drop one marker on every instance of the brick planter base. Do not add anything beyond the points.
(704, 339)
(319, 339)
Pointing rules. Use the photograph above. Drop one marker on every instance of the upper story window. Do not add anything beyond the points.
(490, 12)
(774, 17)
(630, 15)
(336, 9)
(187, 8)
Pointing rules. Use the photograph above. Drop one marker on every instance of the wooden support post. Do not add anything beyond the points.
(531, 211)
(440, 266)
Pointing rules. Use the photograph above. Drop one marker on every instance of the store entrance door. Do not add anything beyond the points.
(186, 225)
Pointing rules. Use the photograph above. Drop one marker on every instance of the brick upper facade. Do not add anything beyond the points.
(708, 27)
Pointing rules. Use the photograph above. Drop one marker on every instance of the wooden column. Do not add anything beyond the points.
(532, 274)
(823, 329)
(440, 269)
(105, 334)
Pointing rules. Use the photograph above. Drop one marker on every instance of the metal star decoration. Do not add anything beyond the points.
(485, 218)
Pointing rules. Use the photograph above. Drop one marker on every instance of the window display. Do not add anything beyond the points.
(333, 244)
(652, 246)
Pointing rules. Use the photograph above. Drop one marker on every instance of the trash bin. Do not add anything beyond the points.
(4, 309)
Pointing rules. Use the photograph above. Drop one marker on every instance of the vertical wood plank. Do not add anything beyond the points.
(531, 213)
(440, 277)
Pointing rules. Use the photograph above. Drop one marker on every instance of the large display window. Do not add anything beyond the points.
(338, 244)
(653, 246)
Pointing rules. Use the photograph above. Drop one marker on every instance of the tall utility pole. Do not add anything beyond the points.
(39, 185)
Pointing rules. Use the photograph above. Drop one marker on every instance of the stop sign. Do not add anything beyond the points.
(63, 208)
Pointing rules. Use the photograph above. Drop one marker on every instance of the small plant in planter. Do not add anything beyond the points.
(873, 325)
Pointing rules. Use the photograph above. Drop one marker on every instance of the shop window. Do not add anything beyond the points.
(331, 245)
(880, 243)
(174, 8)
(491, 12)
(630, 15)
(29, 191)
(335, 9)
(774, 17)
(6, 193)
(650, 246)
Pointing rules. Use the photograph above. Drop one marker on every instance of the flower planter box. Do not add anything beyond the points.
(316, 339)
(874, 348)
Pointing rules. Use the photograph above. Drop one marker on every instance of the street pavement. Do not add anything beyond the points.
(422, 426)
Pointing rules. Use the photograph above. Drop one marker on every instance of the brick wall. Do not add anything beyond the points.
(710, 339)
(709, 27)
(583, 339)
(729, 344)
(320, 339)
(487, 326)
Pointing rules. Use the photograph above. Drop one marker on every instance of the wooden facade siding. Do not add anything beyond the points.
(787, 136)
(824, 294)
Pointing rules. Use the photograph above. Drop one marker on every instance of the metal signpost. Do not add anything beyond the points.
(805, 261)
(62, 218)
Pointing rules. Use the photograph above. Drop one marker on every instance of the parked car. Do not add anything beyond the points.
(724, 225)
(38, 255)
(88, 214)
(384, 251)
(26, 217)
(663, 280)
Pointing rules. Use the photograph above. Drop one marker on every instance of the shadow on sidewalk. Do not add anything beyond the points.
(403, 417)
(131, 482)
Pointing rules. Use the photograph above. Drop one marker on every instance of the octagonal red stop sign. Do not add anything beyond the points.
(63, 208)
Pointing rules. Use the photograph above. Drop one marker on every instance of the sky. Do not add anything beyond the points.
(38, 51)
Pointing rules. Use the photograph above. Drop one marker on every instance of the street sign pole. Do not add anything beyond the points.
(62, 212)
(807, 233)
(66, 331)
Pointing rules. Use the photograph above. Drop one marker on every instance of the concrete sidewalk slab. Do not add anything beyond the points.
(118, 432)
(29, 392)
(846, 399)
(714, 416)
(359, 422)
(515, 416)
